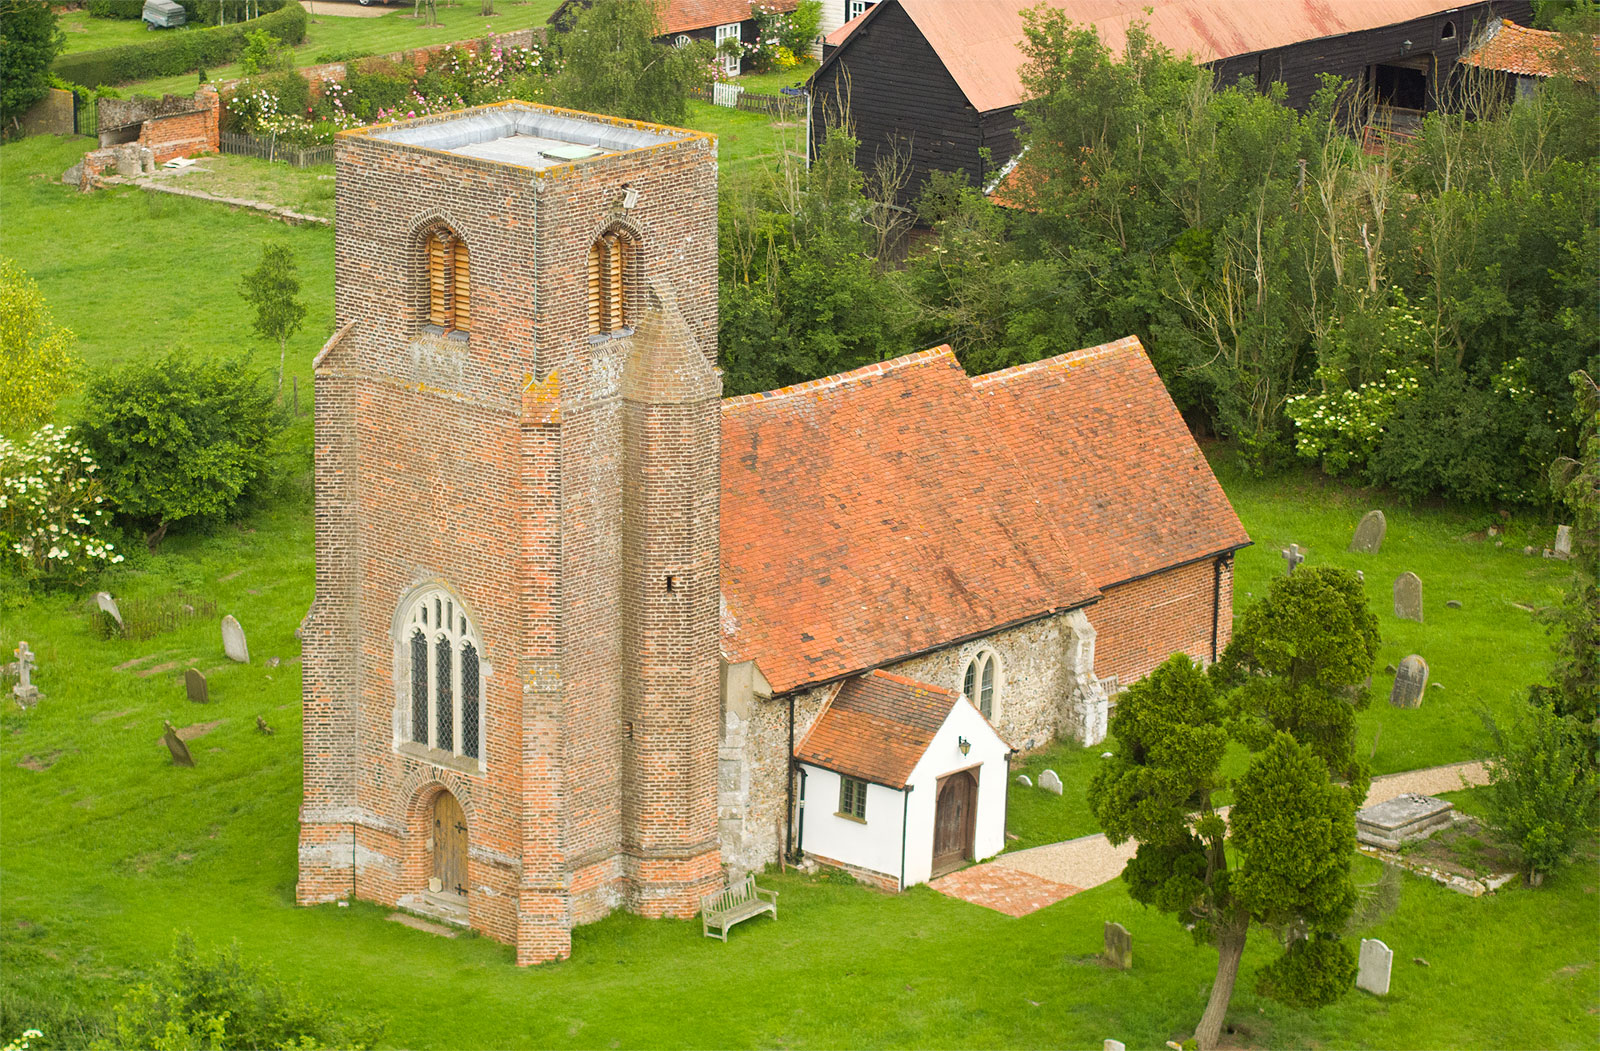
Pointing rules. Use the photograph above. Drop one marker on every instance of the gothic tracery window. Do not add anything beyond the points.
(442, 652)
(980, 682)
(608, 277)
(449, 276)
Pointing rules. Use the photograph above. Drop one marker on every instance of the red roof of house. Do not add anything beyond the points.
(869, 516)
(1112, 461)
(877, 727)
(979, 40)
(682, 16)
(1509, 48)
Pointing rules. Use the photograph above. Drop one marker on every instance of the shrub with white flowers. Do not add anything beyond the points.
(23, 1042)
(53, 517)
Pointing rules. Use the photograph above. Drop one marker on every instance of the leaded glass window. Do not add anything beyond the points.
(443, 706)
(853, 798)
(980, 682)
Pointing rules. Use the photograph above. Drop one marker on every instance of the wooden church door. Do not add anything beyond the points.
(450, 844)
(954, 821)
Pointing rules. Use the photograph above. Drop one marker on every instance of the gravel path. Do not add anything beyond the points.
(1090, 860)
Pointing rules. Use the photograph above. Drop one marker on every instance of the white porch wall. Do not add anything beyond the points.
(874, 845)
(943, 757)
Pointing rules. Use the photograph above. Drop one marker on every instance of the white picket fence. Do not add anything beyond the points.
(726, 94)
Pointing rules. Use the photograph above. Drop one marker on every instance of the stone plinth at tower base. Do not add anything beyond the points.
(1402, 820)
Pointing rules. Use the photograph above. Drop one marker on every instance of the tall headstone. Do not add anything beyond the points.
(108, 606)
(1119, 946)
(195, 682)
(1373, 967)
(175, 745)
(26, 692)
(1410, 683)
(1369, 533)
(233, 643)
(1293, 556)
(1050, 781)
(1563, 548)
(1408, 596)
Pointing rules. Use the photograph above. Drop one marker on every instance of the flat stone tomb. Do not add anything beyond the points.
(1402, 819)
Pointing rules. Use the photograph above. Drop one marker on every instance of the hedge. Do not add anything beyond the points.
(199, 12)
(174, 51)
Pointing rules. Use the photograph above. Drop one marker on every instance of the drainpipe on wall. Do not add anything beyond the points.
(788, 810)
(905, 809)
(1216, 606)
(800, 832)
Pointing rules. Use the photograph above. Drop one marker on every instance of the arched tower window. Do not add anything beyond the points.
(444, 697)
(609, 260)
(449, 280)
(980, 682)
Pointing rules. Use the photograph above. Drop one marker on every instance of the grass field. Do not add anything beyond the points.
(84, 32)
(329, 37)
(108, 849)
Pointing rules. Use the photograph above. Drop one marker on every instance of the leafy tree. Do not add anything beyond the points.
(264, 53)
(1298, 663)
(220, 1000)
(37, 359)
(611, 62)
(30, 40)
(1544, 794)
(53, 527)
(1281, 859)
(179, 438)
(271, 289)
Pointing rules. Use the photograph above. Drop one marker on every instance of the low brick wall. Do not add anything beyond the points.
(184, 134)
(418, 58)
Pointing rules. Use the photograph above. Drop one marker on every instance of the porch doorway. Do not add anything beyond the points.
(955, 821)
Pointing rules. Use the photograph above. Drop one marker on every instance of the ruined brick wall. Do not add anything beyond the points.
(186, 133)
(1144, 622)
(493, 466)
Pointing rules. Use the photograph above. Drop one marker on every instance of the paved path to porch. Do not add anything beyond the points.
(1028, 880)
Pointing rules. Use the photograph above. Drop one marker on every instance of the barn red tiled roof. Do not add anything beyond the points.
(979, 41)
(877, 727)
(869, 516)
(1509, 48)
(1112, 460)
(683, 16)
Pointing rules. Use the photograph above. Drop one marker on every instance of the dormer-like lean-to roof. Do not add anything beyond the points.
(876, 728)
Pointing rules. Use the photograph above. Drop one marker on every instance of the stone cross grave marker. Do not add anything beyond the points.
(1563, 547)
(1410, 683)
(233, 643)
(1050, 782)
(1119, 946)
(1374, 965)
(1408, 596)
(26, 692)
(1292, 555)
(175, 745)
(195, 682)
(108, 605)
(1369, 533)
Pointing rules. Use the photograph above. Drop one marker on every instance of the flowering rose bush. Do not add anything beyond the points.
(52, 518)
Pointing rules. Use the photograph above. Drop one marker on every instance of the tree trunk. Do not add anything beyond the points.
(283, 345)
(1230, 946)
(153, 541)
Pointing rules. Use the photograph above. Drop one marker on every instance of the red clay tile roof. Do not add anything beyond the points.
(1113, 462)
(870, 516)
(1510, 48)
(978, 40)
(681, 16)
(877, 727)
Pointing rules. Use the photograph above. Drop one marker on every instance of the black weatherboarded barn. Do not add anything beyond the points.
(938, 79)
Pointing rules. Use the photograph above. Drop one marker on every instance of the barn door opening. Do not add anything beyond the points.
(955, 821)
(450, 846)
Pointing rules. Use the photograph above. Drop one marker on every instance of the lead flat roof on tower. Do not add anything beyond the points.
(528, 137)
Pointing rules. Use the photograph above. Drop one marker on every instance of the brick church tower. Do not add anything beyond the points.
(511, 664)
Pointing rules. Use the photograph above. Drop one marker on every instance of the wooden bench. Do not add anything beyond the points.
(741, 901)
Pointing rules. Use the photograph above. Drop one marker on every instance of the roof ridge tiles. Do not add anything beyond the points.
(1069, 360)
(840, 379)
(906, 681)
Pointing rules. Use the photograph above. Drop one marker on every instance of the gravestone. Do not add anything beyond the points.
(1050, 782)
(233, 643)
(26, 692)
(1369, 533)
(1403, 819)
(1410, 681)
(262, 727)
(1374, 964)
(175, 745)
(1408, 596)
(1024, 780)
(108, 605)
(1563, 547)
(195, 682)
(1452, 604)
(1293, 556)
(1119, 946)
(1113, 1045)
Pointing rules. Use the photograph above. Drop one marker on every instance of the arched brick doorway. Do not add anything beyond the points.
(448, 849)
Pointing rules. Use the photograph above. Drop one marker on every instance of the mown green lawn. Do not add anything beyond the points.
(106, 849)
(84, 32)
(332, 38)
